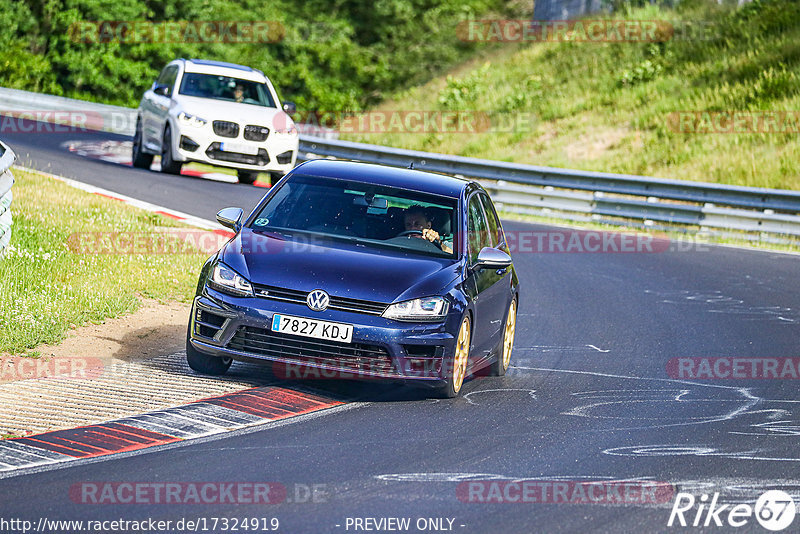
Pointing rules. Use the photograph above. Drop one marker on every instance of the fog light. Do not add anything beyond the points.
(188, 145)
(423, 367)
(285, 157)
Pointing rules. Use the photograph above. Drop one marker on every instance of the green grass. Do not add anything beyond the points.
(46, 288)
(606, 106)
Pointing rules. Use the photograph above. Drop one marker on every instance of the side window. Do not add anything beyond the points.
(492, 222)
(477, 229)
(168, 77)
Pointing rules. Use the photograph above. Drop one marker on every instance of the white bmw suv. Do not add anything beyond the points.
(216, 113)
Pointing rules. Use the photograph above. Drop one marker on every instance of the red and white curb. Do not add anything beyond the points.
(119, 152)
(214, 415)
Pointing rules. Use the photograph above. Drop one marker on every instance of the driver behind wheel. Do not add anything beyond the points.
(416, 220)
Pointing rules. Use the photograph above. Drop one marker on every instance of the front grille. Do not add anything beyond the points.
(261, 159)
(352, 357)
(368, 307)
(256, 133)
(226, 128)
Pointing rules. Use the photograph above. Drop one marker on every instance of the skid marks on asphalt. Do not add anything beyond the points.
(622, 403)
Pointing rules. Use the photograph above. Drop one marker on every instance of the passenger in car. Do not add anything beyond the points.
(238, 93)
(416, 219)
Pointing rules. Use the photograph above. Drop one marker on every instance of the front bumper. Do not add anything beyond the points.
(234, 327)
(278, 153)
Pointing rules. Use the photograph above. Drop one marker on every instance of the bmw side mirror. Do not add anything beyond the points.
(290, 108)
(492, 258)
(231, 218)
(161, 90)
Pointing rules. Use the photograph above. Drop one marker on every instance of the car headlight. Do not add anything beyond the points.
(288, 130)
(226, 280)
(191, 120)
(424, 309)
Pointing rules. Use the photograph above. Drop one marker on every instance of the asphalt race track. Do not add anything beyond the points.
(591, 396)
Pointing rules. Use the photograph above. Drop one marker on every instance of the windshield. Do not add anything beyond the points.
(374, 216)
(226, 88)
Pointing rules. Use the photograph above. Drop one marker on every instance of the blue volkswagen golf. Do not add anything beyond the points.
(354, 270)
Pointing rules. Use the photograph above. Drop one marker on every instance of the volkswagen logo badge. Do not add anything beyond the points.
(318, 300)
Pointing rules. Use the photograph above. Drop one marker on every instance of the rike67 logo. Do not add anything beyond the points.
(774, 510)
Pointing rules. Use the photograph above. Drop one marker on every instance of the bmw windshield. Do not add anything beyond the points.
(372, 216)
(226, 88)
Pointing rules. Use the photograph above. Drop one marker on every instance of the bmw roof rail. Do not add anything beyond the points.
(212, 63)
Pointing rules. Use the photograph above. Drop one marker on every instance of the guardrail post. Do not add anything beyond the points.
(7, 158)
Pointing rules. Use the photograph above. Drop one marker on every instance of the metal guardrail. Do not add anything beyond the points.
(115, 119)
(530, 189)
(586, 195)
(7, 158)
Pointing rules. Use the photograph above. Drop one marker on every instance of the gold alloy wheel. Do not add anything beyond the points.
(508, 339)
(460, 358)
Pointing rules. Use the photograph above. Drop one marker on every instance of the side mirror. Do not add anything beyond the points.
(231, 218)
(290, 108)
(161, 90)
(491, 258)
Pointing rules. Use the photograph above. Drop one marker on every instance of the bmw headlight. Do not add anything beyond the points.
(427, 309)
(191, 120)
(224, 279)
(287, 130)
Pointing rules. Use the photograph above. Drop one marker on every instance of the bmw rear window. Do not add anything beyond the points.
(370, 215)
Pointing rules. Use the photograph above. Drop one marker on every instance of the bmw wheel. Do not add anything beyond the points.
(139, 158)
(168, 164)
(459, 362)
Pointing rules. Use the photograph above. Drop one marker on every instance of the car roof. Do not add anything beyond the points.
(426, 182)
(208, 66)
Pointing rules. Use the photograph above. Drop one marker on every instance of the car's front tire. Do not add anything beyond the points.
(458, 364)
(247, 177)
(500, 367)
(205, 364)
(168, 163)
(139, 158)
